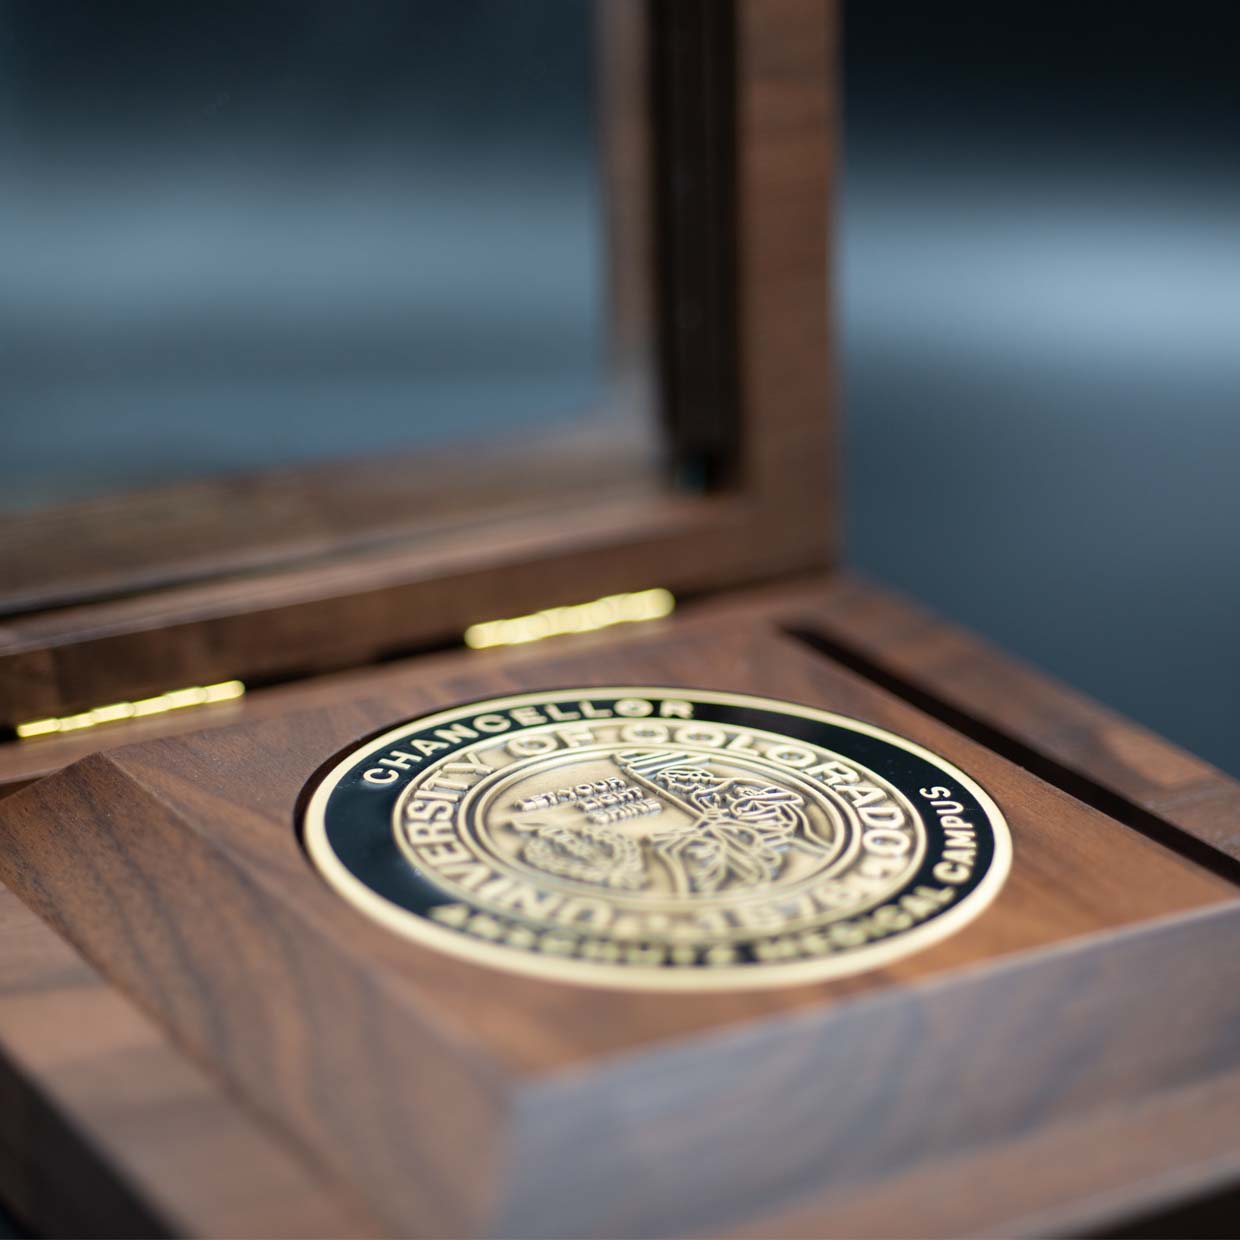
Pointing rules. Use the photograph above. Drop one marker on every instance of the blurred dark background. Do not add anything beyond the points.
(235, 235)
(1039, 290)
(238, 234)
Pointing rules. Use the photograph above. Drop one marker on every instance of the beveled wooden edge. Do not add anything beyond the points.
(1063, 735)
(1098, 1169)
(106, 1128)
(1107, 1049)
(1084, 1011)
(404, 1176)
(1101, 1171)
(350, 608)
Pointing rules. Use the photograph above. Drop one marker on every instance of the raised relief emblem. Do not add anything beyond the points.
(729, 830)
(650, 837)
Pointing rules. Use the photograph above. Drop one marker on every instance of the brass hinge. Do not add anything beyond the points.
(602, 613)
(122, 712)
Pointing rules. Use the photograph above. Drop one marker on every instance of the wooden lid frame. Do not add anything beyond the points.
(726, 143)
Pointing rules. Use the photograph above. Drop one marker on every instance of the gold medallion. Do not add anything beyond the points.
(658, 838)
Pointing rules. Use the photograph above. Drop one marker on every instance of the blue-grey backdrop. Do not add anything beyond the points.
(1039, 288)
(236, 234)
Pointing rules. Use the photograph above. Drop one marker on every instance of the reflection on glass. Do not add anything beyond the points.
(242, 234)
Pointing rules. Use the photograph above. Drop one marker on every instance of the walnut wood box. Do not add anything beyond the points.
(197, 1036)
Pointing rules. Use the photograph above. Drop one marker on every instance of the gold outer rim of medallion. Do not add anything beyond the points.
(766, 976)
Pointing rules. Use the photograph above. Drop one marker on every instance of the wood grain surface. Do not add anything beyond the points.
(1066, 736)
(107, 1129)
(218, 1045)
(1092, 1175)
(249, 960)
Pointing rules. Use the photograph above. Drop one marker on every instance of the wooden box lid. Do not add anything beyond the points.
(718, 143)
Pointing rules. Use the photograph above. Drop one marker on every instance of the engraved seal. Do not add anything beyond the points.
(647, 838)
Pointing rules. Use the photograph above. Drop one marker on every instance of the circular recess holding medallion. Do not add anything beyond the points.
(669, 838)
